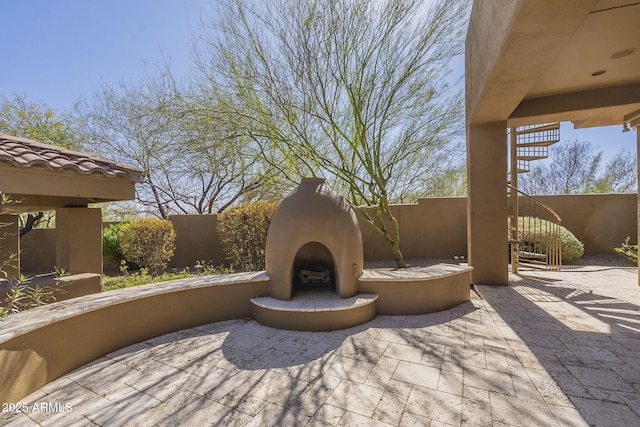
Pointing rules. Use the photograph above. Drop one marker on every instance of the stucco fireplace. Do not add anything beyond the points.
(314, 241)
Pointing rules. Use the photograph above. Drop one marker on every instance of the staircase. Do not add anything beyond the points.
(532, 143)
(534, 228)
(535, 235)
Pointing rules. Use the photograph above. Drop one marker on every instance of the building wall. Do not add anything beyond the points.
(432, 228)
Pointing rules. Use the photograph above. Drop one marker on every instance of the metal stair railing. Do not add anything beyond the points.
(534, 233)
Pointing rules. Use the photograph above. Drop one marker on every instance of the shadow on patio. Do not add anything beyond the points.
(583, 327)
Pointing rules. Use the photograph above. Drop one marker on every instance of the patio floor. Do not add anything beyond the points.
(553, 348)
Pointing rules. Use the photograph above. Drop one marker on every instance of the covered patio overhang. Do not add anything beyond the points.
(531, 62)
(39, 177)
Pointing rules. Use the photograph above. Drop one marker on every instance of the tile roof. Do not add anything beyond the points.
(27, 153)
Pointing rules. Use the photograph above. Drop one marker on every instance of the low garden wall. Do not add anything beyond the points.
(432, 228)
(41, 344)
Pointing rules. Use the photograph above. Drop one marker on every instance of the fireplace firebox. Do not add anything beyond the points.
(313, 268)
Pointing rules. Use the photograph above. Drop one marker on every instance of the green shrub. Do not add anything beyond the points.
(142, 276)
(628, 250)
(148, 242)
(533, 231)
(243, 233)
(111, 242)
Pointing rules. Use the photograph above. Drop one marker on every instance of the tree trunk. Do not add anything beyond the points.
(30, 223)
(395, 244)
(381, 230)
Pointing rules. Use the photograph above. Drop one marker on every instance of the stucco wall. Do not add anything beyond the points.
(600, 221)
(38, 250)
(432, 228)
(196, 240)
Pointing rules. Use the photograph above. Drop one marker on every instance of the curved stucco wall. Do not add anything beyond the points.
(419, 295)
(314, 212)
(42, 344)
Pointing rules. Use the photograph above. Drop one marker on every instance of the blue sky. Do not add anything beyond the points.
(57, 51)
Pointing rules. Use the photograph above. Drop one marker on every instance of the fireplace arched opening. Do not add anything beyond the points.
(314, 268)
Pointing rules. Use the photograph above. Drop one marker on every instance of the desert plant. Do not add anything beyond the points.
(111, 242)
(535, 231)
(148, 242)
(243, 233)
(21, 296)
(628, 250)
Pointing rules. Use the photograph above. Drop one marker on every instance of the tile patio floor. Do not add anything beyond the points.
(559, 348)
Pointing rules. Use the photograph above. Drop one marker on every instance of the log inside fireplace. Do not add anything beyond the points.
(313, 267)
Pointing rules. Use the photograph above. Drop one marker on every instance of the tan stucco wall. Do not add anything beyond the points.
(419, 296)
(490, 21)
(600, 221)
(44, 184)
(487, 203)
(31, 360)
(39, 250)
(196, 240)
(432, 228)
(9, 247)
(79, 240)
(507, 49)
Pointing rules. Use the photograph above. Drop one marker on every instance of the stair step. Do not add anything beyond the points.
(538, 143)
(532, 157)
(531, 255)
(541, 128)
(540, 266)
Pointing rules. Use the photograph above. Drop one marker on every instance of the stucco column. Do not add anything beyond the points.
(487, 203)
(9, 246)
(79, 240)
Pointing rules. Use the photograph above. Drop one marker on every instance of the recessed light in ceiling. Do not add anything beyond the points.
(623, 53)
(598, 73)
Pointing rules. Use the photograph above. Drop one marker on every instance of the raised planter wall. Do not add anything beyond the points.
(40, 345)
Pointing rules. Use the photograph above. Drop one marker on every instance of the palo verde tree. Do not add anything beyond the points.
(353, 90)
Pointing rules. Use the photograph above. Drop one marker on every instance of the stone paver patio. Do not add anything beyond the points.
(553, 348)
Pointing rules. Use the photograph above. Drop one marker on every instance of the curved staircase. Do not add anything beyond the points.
(533, 227)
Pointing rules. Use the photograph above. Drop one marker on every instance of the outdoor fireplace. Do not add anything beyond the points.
(314, 241)
(313, 267)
